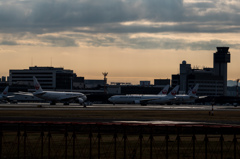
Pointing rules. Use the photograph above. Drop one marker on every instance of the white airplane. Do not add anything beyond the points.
(187, 98)
(144, 99)
(55, 96)
(3, 95)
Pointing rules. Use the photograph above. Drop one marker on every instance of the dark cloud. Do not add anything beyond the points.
(53, 16)
(160, 43)
(8, 43)
(59, 41)
(28, 19)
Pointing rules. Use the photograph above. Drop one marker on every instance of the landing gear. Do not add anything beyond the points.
(53, 103)
(143, 103)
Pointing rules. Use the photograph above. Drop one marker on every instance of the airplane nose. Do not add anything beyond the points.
(110, 99)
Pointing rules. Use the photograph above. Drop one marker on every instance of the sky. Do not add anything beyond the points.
(132, 40)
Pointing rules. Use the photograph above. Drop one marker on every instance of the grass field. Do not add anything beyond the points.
(221, 117)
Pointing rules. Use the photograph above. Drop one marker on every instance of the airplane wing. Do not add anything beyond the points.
(145, 101)
(24, 93)
(69, 98)
(200, 97)
(10, 96)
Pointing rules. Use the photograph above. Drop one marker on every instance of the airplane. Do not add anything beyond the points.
(187, 98)
(55, 96)
(144, 99)
(3, 95)
(164, 90)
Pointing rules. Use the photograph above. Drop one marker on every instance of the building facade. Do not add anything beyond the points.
(212, 81)
(48, 77)
(161, 82)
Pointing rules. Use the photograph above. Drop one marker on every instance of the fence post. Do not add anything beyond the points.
(151, 142)
(99, 142)
(141, 138)
(42, 137)
(66, 140)
(167, 138)
(125, 142)
(193, 140)
(178, 144)
(74, 140)
(49, 141)
(206, 143)
(90, 142)
(235, 144)
(25, 142)
(221, 142)
(115, 143)
(18, 145)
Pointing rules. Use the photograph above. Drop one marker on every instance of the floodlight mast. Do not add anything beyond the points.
(105, 80)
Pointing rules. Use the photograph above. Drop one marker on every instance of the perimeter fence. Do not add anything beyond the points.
(56, 140)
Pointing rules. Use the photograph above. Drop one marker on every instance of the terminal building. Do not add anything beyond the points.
(212, 81)
(48, 77)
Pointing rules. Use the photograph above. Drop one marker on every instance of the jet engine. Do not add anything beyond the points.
(136, 101)
(80, 100)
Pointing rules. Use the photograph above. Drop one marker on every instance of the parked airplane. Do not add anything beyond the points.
(144, 99)
(3, 95)
(55, 96)
(164, 91)
(187, 98)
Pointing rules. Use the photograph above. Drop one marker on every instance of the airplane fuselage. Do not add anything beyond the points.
(58, 96)
(136, 99)
(184, 98)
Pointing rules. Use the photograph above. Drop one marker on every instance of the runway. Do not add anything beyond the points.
(122, 113)
(73, 106)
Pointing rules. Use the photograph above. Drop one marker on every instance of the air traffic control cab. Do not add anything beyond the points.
(221, 58)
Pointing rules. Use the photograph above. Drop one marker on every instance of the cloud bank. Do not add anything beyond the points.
(77, 23)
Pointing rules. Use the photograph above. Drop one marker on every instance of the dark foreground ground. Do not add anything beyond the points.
(85, 115)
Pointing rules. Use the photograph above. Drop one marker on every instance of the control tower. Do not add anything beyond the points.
(220, 60)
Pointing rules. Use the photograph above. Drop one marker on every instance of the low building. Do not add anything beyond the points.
(161, 82)
(145, 83)
(48, 77)
(94, 83)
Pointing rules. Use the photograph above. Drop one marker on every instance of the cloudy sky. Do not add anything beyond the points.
(133, 40)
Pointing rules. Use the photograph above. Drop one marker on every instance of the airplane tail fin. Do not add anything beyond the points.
(174, 91)
(193, 92)
(5, 92)
(164, 90)
(37, 86)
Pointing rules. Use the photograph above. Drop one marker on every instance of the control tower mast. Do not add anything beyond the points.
(221, 58)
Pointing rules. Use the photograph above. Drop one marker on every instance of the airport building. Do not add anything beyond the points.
(212, 81)
(161, 82)
(48, 77)
(90, 83)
